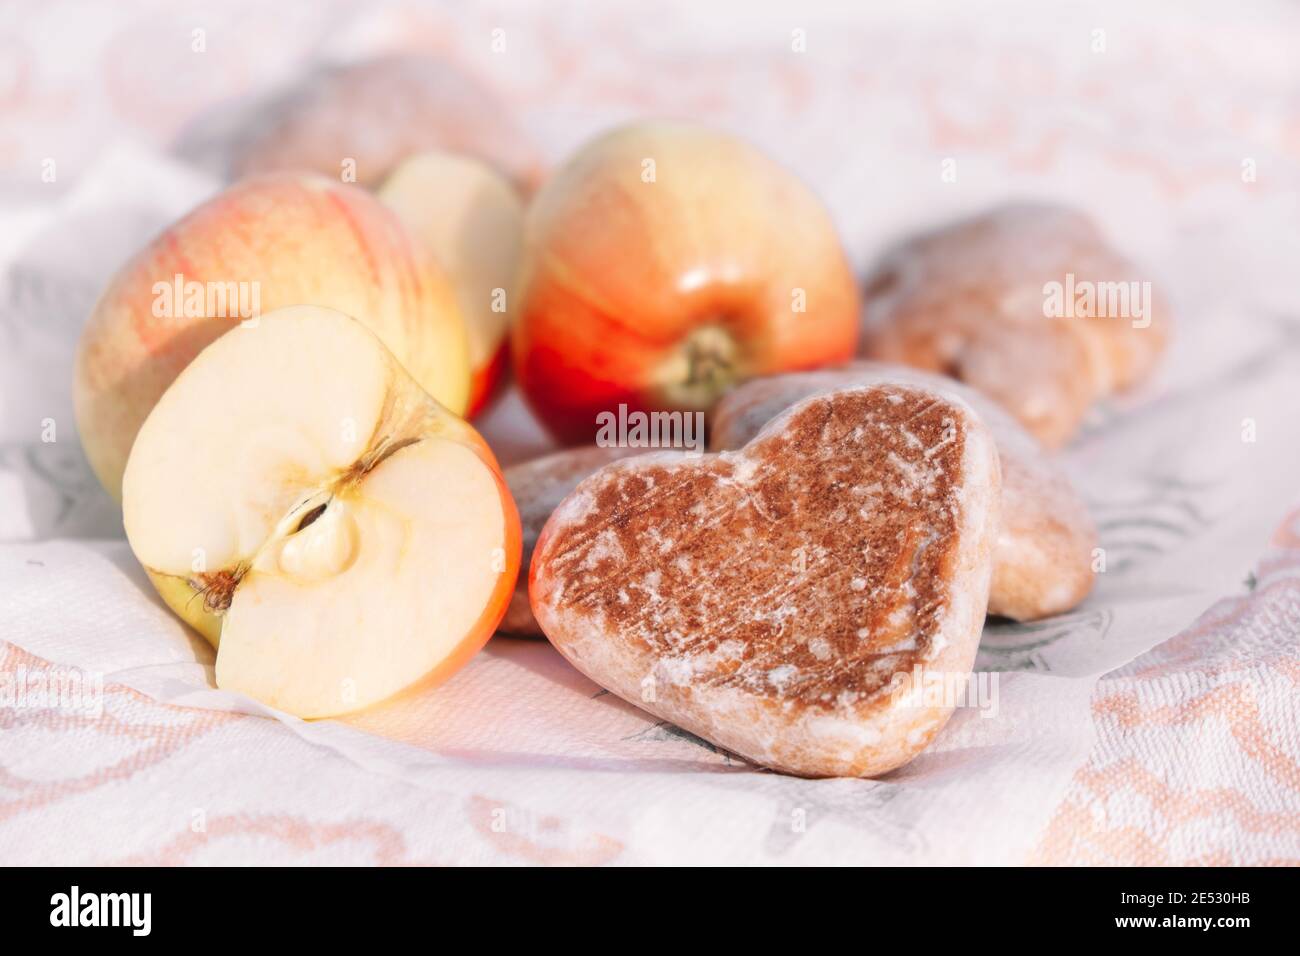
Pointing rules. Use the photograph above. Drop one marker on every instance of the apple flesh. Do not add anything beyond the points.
(471, 220)
(278, 241)
(333, 530)
(664, 264)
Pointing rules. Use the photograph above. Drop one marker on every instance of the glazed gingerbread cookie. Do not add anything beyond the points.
(785, 601)
(1029, 304)
(1042, 564)
(537, 487)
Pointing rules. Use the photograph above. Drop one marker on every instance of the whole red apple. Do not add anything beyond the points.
(665, 263)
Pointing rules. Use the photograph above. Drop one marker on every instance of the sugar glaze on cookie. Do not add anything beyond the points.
(765, 599)
(538, 486)
(1042, 564)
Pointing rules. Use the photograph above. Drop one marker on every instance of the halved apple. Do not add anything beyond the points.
(332, 529)
(471, 219)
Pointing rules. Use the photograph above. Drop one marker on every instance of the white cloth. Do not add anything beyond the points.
(1159, 723)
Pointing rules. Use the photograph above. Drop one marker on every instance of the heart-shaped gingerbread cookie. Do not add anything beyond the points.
(782, 601)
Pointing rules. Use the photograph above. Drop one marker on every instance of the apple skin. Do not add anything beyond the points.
(487, 382)
(302, 239)
(178, 595)
(661, 295)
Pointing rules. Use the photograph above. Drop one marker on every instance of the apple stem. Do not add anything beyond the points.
(704, 368)
(218, 588)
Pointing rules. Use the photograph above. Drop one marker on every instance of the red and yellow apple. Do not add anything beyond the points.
(471, 220)
(665, 263)
(268, 242)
